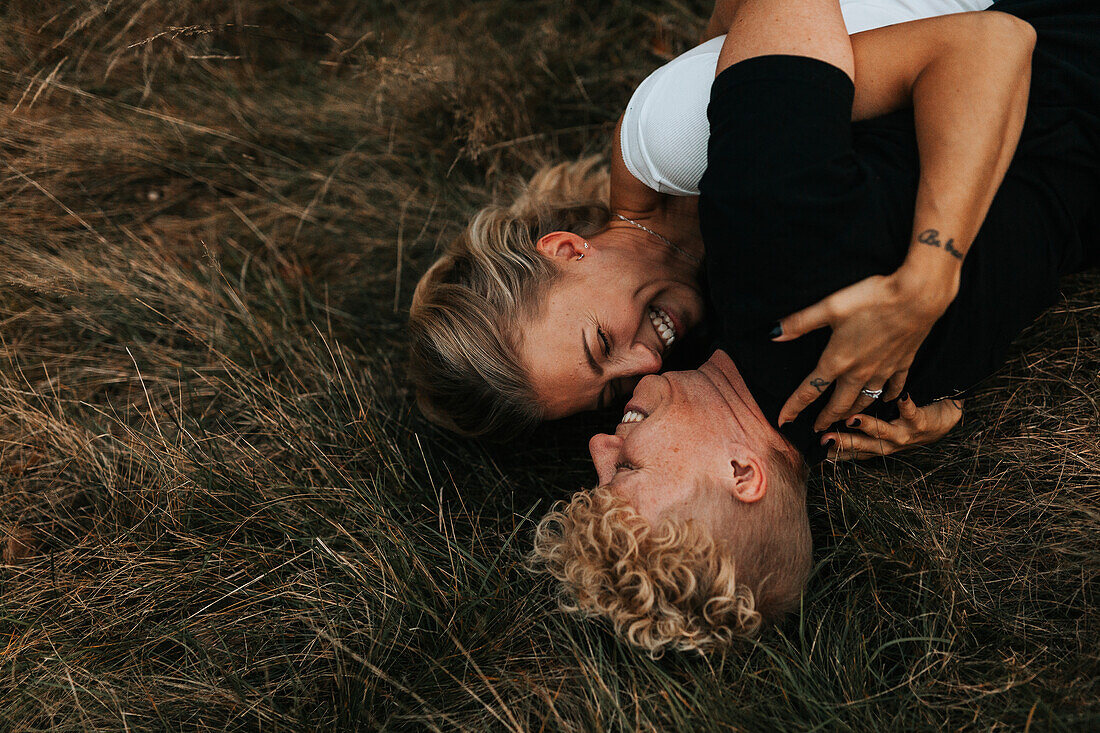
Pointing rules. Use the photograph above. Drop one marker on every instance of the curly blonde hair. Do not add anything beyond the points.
(467, 308)
(672, 586)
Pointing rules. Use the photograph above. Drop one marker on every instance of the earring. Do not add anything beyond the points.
(579, 257)
(586, 245)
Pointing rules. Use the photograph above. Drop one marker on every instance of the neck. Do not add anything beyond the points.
(744, 410)
(727, 378)
(677, 219)
(681, 217)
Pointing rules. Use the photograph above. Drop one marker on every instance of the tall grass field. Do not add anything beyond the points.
(221, 511)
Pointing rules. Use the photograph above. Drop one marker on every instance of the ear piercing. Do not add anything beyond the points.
(580, 257)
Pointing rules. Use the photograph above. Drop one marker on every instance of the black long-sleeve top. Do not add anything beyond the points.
(798, 202)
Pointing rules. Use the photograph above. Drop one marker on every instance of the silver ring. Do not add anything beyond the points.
(872, 393)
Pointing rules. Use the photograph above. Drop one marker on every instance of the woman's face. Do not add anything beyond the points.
(608, 320)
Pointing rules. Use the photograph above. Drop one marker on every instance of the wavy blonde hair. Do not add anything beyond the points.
(672, 586)
(467, 308)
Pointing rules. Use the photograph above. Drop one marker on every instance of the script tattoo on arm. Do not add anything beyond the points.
(931, 237)
(819, 384)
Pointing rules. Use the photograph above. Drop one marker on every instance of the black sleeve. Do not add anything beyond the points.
(787, 211)
(789, 215)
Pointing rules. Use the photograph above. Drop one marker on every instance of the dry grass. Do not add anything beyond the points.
(219, 510)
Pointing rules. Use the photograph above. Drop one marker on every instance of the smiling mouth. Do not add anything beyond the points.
(663, 325)
(632, 416)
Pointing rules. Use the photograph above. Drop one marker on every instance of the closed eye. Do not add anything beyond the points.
(624, 467)
(605, 342)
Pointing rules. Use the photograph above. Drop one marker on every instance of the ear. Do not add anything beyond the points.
(746, 479)
(560, 245)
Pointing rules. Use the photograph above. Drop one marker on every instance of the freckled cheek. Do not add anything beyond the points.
(670, 498)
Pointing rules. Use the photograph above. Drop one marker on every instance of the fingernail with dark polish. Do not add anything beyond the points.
(904, 397)
(828, 443)
(777, 331)
(855, 422)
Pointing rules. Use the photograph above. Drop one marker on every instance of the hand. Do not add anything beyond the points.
(915, 426)
(878, 325)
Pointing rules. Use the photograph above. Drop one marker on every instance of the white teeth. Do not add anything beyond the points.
(662, 324)
(633, 416)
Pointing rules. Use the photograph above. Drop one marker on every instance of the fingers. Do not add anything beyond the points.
(864, 401)
(845, 395)
(802, 322)
(895, 385)
(877, 429)
(879, 438)
(853, 446)
(811, 388)
(908, 409)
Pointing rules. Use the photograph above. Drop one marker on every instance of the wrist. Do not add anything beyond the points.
(929, 283)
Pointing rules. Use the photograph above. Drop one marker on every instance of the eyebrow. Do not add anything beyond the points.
(588, 353)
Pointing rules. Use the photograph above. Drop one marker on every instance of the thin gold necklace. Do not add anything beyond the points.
(685, 253)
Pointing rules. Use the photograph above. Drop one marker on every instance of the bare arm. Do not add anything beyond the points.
(967, 77)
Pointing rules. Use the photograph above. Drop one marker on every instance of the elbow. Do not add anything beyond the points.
(1025, 30)
(1009, 35)
(1024, 35)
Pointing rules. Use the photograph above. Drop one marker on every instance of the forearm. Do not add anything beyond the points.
(969, 105)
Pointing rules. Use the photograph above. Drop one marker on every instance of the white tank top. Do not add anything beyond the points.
(665, 128)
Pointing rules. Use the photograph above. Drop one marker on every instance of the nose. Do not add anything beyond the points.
(649, 386)
(638, 360)
(605, 449)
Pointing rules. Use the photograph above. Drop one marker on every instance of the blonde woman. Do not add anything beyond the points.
(560, 302)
